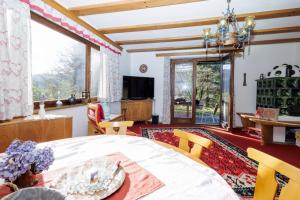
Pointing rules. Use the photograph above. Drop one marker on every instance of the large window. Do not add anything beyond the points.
(62, 62)
(58, 64)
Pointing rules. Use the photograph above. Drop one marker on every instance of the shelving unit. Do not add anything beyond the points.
(279, 92)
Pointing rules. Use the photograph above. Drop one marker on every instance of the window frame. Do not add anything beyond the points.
(43, 21)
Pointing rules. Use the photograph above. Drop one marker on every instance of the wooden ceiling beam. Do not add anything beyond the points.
(160, 40)
(200, 22)
(275, 41)
(81, 22)
(125, 5)
(199, 37)
(216, 51)
(168, 48)
(290, 29)
(258, 42)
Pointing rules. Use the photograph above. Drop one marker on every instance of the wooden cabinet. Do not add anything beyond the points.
(41, 130)
(137, 110)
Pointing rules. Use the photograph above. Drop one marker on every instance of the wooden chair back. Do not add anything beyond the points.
(115, 128)
(199, 142)
(266, 184)
(92, 112)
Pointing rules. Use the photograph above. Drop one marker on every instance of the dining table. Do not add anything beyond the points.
(182, 177)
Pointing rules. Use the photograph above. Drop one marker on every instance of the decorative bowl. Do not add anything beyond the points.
(94, 180)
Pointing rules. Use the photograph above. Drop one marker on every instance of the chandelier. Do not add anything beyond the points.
(229, 33)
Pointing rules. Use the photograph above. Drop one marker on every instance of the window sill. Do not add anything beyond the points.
(51, 105)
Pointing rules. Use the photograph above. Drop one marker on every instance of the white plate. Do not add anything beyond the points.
(76, 182)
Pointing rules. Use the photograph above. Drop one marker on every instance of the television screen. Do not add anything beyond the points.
(138, 87)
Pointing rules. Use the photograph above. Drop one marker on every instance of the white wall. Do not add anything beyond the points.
(80, 120)
(155, 70)
(125, 63)
(261, 60)
(298, 54)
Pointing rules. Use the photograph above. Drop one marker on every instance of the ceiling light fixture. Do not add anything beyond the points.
(228, 32)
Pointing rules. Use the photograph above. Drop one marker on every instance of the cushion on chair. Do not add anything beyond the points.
(100, 114)
(92, 114)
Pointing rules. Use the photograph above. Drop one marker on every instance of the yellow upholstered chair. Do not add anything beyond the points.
(266, 185)
(116, 128)
(199, 142)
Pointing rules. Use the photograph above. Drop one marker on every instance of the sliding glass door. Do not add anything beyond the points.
(208, 93)
(182, 92)
(201, 91)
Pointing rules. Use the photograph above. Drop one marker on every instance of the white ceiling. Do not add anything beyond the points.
(197, 10)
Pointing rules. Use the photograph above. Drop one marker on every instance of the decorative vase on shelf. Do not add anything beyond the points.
(72, 99)
(59, 103)
(42, 112)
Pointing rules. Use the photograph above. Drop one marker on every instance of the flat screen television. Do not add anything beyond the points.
(138, 87)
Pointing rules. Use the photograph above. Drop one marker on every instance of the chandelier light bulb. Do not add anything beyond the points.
(249, 23)
(223, 22)
(207, 33)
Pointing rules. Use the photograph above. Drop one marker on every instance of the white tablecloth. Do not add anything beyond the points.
(184, 178)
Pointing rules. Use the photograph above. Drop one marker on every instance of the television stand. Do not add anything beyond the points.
(137, 110)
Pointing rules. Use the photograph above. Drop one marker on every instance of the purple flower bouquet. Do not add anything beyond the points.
(23, 157)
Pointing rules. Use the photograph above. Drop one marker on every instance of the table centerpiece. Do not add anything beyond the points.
(22, 160)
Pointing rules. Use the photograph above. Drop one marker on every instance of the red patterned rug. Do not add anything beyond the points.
(228, 160)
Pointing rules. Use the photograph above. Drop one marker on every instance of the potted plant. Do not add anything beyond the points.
(22, 161)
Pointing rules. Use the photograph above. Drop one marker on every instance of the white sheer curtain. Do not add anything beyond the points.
(110, 88)
(15, 60)
(166, 118)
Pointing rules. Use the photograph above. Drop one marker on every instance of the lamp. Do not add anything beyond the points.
(249, 23)
(223, 28)
(207, 36)
(229, 32)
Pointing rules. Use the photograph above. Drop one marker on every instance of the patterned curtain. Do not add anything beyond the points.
(166, 118)
(15, 60)
(110, 89)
